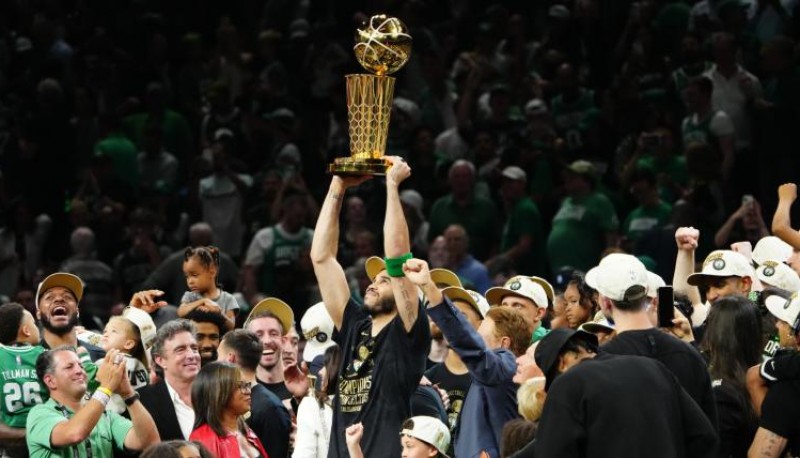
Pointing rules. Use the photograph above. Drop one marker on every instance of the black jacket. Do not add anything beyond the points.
(157, 401)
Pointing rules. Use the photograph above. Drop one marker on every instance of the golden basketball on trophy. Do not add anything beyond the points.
(382, 47)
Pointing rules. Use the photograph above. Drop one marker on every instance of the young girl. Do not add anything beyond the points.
(200, 267)
(131, 334)
(421, 437)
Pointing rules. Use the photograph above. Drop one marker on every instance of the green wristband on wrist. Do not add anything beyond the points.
(394, 266)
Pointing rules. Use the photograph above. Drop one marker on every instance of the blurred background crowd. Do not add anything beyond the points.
(540, 134)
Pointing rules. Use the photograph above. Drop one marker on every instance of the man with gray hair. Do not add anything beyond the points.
(66, 426)
(168, 276)
(477, 215)
(169, 401)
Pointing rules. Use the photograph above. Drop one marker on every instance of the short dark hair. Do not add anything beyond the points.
(635, 299)
(10, 319)
(517, 434)
(46, 362)
(247, 347)
(200, 316)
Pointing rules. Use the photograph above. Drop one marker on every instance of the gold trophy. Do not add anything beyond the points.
(382, 47)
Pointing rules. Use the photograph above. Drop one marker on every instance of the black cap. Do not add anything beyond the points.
(550, 346)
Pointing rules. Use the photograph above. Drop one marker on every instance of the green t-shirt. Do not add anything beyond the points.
(525, 220)
(123, 154)
(568, 116)
(673, 168)
(579, 229)
(642, 219)
(21, 387)
(478, 217)
(107, 435)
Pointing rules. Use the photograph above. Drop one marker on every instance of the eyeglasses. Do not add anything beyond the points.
(244, 387)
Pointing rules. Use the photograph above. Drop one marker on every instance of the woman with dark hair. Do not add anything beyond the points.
(220, 399)
(315, 414)
(581, 305)
(732, 343)
(177, 449)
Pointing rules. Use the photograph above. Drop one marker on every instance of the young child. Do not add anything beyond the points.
(200, 267)
(132, 334)
(421, 437)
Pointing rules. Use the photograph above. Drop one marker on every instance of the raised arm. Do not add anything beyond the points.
(330, 274)
(687, 239)
(396, 242)
(781, 221)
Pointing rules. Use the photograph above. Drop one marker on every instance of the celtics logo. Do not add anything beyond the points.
(718, 264)
(769, 268)
(515, 286)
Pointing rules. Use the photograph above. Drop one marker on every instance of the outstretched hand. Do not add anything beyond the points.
(146, 300)
(296, 379)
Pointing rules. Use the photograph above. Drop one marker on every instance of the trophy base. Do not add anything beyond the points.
(358, 167)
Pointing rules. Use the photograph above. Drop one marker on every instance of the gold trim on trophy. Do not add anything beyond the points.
(382, 47)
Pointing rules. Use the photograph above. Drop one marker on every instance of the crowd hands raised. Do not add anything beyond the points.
(424, 366)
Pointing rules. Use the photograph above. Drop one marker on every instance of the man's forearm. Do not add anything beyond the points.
(395, 228)
(326, 233)
(684, 266)
(7, 433)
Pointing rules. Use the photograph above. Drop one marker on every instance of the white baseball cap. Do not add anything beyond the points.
(472, 298)
(778, 274)
(772, 248)
(518, 286)
(317, 327)
(429, 430)
(654, 281)
(593, 327)
(512, 172)
(619, 277)
(722, 263)
(144, 322)
(787, 310)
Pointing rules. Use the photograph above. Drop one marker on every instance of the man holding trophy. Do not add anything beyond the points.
(385, 342)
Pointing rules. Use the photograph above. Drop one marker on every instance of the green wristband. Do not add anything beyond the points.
(394, 266)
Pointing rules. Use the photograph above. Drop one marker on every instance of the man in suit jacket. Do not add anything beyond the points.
(170, 401)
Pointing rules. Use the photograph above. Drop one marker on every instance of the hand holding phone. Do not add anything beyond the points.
(666, 307)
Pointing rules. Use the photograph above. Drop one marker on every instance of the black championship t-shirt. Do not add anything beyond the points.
(779, 413)
(456, 387)
(377, 378)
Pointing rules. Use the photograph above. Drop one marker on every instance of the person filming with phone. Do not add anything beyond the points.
(621, 281)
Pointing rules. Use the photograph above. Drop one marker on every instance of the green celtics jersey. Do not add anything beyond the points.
(21, 388)
(568, 116)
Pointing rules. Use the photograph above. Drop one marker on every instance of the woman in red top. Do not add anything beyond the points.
(220, 399)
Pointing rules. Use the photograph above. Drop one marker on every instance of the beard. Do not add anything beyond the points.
(382, 306)
(208, 359)
(60, 330)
